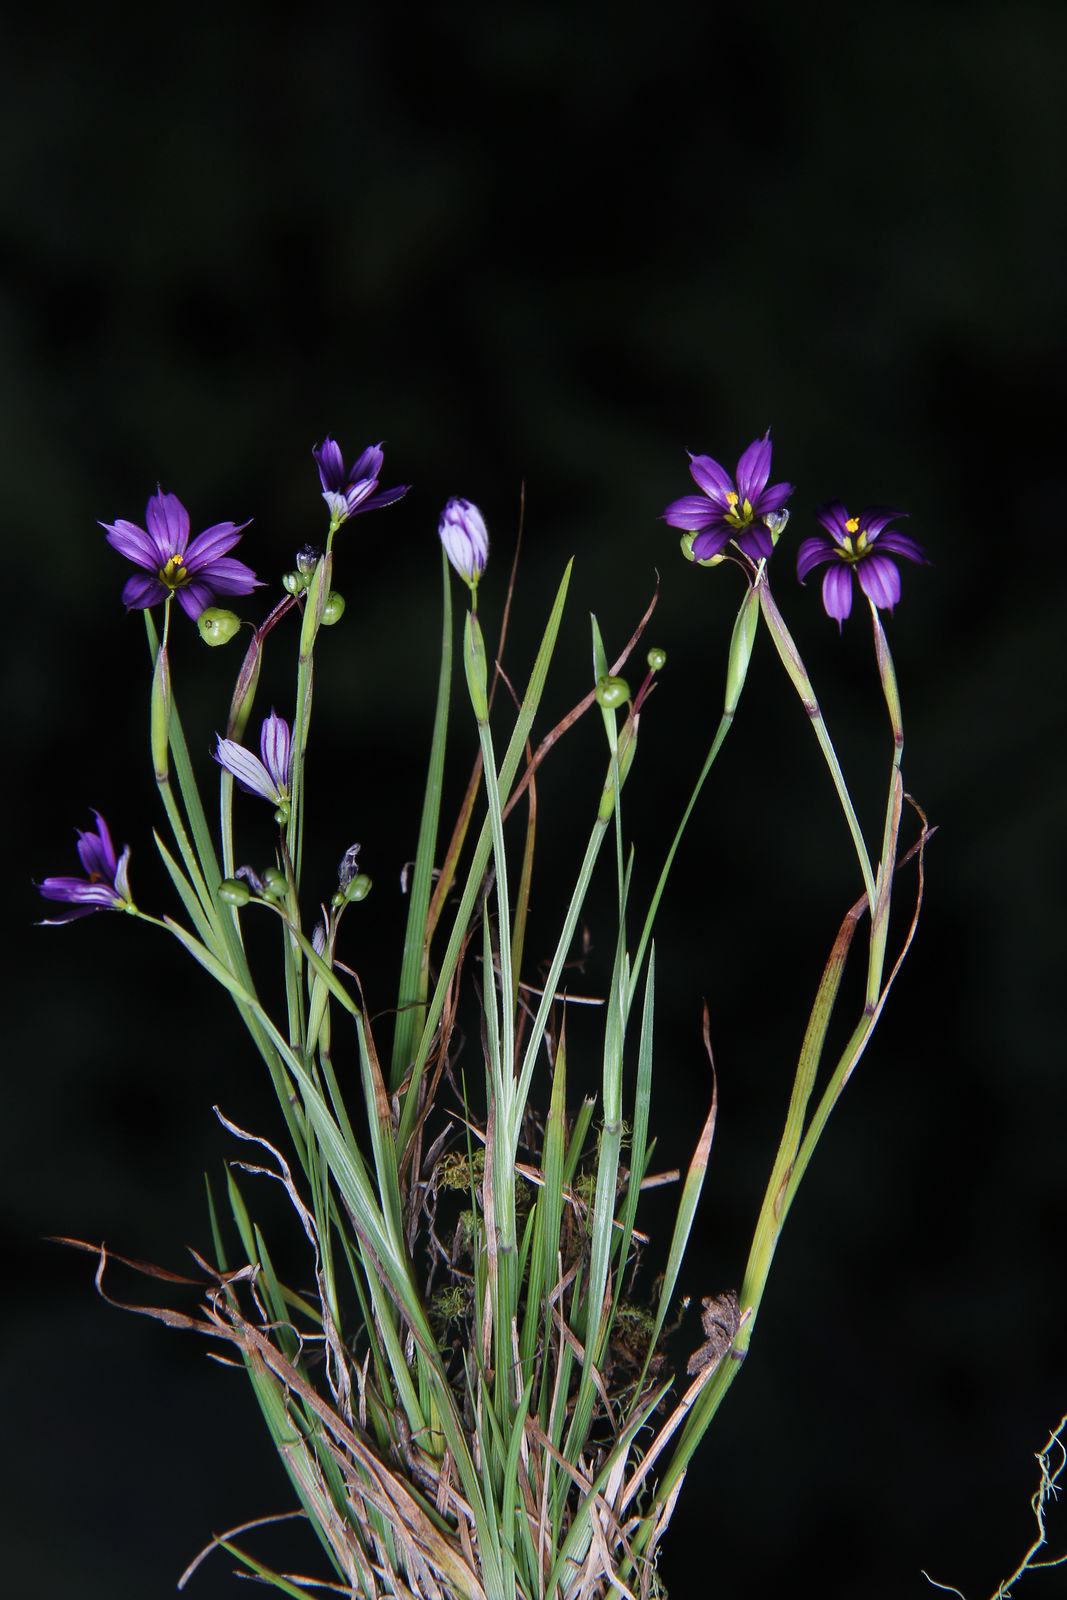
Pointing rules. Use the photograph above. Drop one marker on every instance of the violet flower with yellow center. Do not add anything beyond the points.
(195, 572)
(727, 510)
(863, 546)
(105, 886)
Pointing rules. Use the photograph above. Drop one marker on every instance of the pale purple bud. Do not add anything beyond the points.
(465, 537)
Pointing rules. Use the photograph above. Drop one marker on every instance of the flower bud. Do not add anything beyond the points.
(611, 692)
(656, 659)
(333, 608)
(234, 893)
(465, 537)
(217, 626)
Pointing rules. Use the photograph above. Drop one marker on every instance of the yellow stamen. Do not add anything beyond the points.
(852, 524)
(174, 573)
(731, 497)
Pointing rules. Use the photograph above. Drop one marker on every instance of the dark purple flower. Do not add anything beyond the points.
(195, 572)
(105, 886)
(268, 776)
(349, 493)
(725, 510)
(864, 545)
(463, 533)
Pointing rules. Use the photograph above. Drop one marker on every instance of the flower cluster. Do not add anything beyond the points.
(745, 512)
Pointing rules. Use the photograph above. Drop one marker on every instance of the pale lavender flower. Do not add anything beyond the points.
(465, 537)
(863, 545)
(267, 774)
(195, 572)
(105, 886)
(349, 493)
(725, 510)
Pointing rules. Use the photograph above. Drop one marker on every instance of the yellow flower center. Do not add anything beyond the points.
(174, 573)
(740, 512)
(853, 550)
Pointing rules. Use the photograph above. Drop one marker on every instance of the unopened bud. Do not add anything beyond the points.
(465, 537)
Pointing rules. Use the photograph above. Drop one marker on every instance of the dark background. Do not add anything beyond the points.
(558, 246)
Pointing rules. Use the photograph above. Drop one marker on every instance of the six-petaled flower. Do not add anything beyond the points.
(195, 572)
(465, 537)
(729, 509)
(268, 773)
(349, 493)
(105, 886)
(863, 546)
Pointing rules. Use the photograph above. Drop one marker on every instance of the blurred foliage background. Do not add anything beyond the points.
(558, 246)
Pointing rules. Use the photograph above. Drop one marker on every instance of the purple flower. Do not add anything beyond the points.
(195, 572)
(726, 511)
(463, 533)
(268, 777)
(105, 886)
(348, 494)
(864, 545)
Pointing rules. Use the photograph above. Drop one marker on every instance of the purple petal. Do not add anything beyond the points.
(167, 522)
(896, 543)
(812, 553)
(385, 498)
(879, 580)
(96, 851)
(715, 481)
(873, 520)
(230, 577)
(772, 499)
(755, 541)
(837, 591)
(274, 743)
(140, 593)
(754, 468)
(330, 464)
(692, 512)
(369, 464)
(248, 769)
(711, 541)
(133, 543)
(194, 597)
(213, 542)
(834, 518)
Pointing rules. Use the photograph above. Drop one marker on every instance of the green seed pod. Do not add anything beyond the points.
(333, 608)
(656, 658)
(687, 551)
(611, 692)
(275, 883)
(295, 582)
(234, 893)
(217, 626)
(281, 815)
(358, 888)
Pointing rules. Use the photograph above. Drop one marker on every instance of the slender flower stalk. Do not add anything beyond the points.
(195, 572)
(105, 886)
(728, 510)
(349, 493)
(862, 546)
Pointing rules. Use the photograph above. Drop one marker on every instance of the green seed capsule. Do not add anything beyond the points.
(234, 893)
(275, 883)
(359, 887)
(217, 626)
(333, 608)
(611, 692)
(295, 582)
(656, 658)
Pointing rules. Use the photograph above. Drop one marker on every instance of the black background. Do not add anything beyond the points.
(558, 246)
